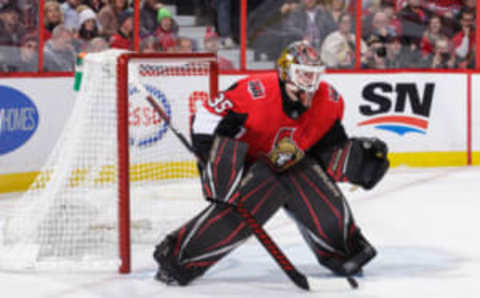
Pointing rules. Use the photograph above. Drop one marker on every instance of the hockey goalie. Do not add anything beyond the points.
(272, 141)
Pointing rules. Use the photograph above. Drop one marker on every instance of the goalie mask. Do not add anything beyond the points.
(300, 70)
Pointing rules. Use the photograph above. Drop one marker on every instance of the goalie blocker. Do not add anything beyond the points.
(306, 192)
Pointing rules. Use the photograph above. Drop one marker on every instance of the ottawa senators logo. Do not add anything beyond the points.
(285, 151)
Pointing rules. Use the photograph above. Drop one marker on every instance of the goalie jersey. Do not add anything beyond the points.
(252, 111)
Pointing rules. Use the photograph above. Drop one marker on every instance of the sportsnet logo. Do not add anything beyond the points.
(146, 127)
(387, 107)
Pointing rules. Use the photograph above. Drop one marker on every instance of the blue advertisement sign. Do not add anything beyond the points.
(18, 119)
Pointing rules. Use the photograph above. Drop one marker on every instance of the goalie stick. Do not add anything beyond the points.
(298, 278)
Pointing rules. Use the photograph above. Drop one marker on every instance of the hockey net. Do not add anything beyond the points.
(104, 187)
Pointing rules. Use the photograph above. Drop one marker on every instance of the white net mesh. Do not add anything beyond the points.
(68, 219)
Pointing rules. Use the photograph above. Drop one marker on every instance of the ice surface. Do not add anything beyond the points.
(422, 221)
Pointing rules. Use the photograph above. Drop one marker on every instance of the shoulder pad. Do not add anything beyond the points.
(331, 92)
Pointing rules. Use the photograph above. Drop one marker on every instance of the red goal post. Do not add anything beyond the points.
(123, 74)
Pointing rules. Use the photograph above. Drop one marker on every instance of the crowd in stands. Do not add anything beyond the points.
(74, 26)
(420, 34)
(395, 33)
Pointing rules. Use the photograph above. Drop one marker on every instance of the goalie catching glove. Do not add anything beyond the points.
(360, 161)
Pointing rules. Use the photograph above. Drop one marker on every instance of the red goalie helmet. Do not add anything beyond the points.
(300, 69)
(301, 65)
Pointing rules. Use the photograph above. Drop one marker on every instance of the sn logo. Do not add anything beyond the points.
(387, 107)
(384, 97)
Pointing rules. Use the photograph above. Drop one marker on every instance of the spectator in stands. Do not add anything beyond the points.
(79, 9)
(414, 23)
(108, 17)
(123, 39)
(183, 45)
(309, 23)
(148, 17)
(394, 24)
(224, 22)
(470, 5)
(464, 41)
(441, 56)
(59, 54)
(444, 8)
(28, 56)
(376, 54)
(370, 7)
(166, 31)
(398, 56)
(150, 44)
(211, 43)
(69, 8)
(338, 49)
(53, 17)
(288, 7)
(29, 14)
(433, 32)
(336, 8)
(204, 12)
(266, 35)
(11, 30)
(97, 44)
(4, 3)
(380, 27)
(95, 5)
(88, 27)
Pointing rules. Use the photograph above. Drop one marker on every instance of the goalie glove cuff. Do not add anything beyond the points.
(361, 161)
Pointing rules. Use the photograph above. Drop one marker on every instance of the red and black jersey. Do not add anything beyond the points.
(266, 128)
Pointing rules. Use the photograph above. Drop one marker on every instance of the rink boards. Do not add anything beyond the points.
(428, 119)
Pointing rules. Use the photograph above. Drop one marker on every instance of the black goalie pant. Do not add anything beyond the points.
(305, 191)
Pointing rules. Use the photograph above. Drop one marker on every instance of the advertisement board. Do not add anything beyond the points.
(422, 117)
(32, 115)
(32, 112)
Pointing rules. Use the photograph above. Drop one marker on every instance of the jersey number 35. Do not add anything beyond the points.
(220, 104)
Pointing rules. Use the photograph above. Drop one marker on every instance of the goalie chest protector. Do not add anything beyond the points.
(267, 127)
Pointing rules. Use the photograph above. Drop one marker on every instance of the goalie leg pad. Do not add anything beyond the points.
(325, 220)
(319, 205)
(218, 230)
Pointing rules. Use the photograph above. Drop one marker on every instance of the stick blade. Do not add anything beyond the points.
(299, 279)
